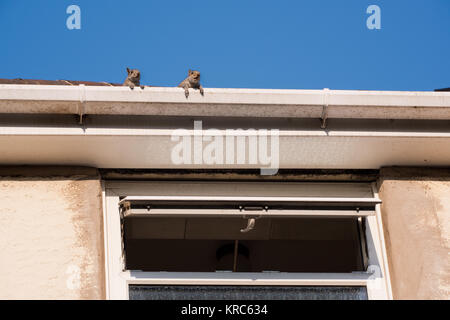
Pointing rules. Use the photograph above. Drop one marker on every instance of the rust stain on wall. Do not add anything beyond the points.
(416, 218)
(84, 197)
(51, 231)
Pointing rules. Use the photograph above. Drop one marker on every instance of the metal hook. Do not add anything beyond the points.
(250, 225)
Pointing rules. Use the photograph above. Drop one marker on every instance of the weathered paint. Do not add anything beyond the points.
(224, 102)
(240, 175)
(51, 228)
(416, 218)
(51, 234)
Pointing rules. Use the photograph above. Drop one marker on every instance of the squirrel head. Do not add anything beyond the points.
(194, 75)
(134, 74)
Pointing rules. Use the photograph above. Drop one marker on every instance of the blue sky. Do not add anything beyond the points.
(279, 44)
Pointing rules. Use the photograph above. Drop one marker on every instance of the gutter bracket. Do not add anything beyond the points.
(81, 105)
(324, 115)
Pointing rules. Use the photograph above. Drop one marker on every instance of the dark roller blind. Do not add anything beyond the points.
(147, 292)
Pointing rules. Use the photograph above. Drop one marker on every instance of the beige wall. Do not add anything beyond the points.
(51, 234)
(416, 218)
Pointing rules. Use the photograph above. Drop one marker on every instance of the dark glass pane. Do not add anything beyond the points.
(144, 292)
(207, 245)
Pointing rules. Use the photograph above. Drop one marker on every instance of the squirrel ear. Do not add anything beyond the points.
(128, 70)
(190, 71)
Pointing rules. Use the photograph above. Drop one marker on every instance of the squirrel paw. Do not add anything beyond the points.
(186, 93)
(202, 92)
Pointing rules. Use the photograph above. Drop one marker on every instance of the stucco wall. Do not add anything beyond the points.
(416, 218)
(51, 234)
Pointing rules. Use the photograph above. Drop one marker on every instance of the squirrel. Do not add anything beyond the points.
(133, 79)
(192, 81)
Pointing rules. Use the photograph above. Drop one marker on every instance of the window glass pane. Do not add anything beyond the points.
(146, 292)
(216, 244)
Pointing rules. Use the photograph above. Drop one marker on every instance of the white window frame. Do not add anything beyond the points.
(376, 280)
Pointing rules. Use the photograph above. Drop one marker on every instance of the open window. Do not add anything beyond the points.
(244, 234)
(277, 233)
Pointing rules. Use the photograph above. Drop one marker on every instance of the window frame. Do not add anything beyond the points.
(376, 279)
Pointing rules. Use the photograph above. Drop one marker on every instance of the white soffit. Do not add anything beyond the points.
(334, 151)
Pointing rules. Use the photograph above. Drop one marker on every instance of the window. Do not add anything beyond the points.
(217, 244)
(244, 240)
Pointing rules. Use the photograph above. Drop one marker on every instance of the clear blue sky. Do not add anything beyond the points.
(294, 44)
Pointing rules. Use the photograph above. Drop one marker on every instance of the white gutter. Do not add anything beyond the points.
(54, 99)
